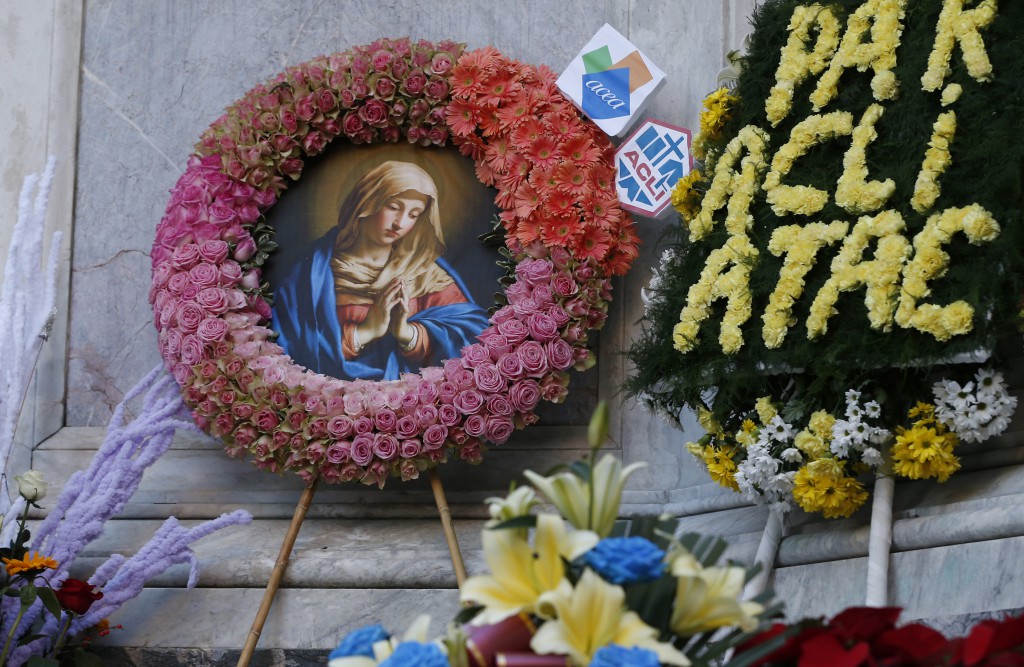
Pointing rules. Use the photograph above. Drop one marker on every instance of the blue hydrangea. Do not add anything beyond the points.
(620, 656)
(359, 642)
(626, 560)
(415, 654)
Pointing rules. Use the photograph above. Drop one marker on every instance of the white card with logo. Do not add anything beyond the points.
(611, 81)
(649, 164)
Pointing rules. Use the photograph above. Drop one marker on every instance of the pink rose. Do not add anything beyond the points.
(185, 256)
(584, 273)
(315, 451)
(511, 366)
(560, 257)
(399, 69)
(325, 101)
(245, 435)
(564, 285)
(503, 314)
(499, 429)
(414, 83)
(448, 415)
(470, 453)
(212, 329)
(244, 250)
(514, 331)
(526, 306)
(385, 88)
(559, 353)
(190, 293)
(475, 425)
(250, 280)
(278, 440)
(469, 401)
(488, 378)
(553, 388)
(355, 404)
(418, 110)
(385, 420)
(474, 355)
(318, 428)
(535, 362)
(350, 472)
(436, 89)
(172, 341)
(363, 425)
(189, 315)
(266, 419)
(352, 124)
(541, 326)
(227, 397)
(408, 470)
(380, 60)
(446, 392)
(438, 136)
(182, 372)
(534, 271)
(410, 447)
(213, 300)
(347, 99)
(410, 400)
(426, 415)
(339, 453)
(435, 436)
(295, 419)
(385, 446)
(222, 216)
(441, 64)
(375, 113)
(362, 449)
(314, 143)
(558, 314)
(305, 107)
(407, 426)
(340, 427)
(230, 273)
(177, 283)
(242, 410)
(525, 395)
(543, 295)
(498, 404)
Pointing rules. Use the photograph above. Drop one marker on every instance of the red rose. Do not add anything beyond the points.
(77, 596)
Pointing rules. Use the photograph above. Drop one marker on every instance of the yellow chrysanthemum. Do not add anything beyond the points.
(924, 451)
(721, 467)
(686, 199)
(922, 413)
(31, 562)
(822, 486)
(765, 410)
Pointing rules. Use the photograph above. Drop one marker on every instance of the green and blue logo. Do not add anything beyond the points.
(607, 86)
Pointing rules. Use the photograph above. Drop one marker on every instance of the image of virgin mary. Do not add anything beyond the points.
(374, 298)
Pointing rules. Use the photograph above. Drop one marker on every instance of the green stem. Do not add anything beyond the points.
(590, 488)
(60, 638)
(10, 635)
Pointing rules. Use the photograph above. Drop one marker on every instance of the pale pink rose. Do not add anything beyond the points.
(339, 452)
(435, 436)
(543, 295)
(191, 349)
(363, 425)
(237, 301)
(325, 100)
(559, 353)
(185, 256)
(350, 472)
(355, 404)
(162, 273)
(182, 372)
(469, 401)
(564, 285)
(426, 415)
(251, 350)
(340, 427)
(378, 400)
(418, 110)
(190, 293)
(212, 329)
(503, 314)
(516, 291)
(178, 282)
(560, 257)
(410, 400)
(242, 410)
(384, 88)
(230, 273)
(317, 427)
(446, 392)
(474, 355)
(233, 366)
(552, 388)
(499, 429)
(574, 333)
(245, 435)
(315, 451)
(534, 271)
(475, 425)
(385, 446)
(432, 374)
(278, 440)
(213, 300)
(274, 374)
(305, 107)
(327, 472)
(188, 316)
(525, 307)
(577, 307)
(250, 280)
(410, 447)
(541, 326)
(558, 314)
(525, 395)
(278, 398)
(385, 420)
(511, 366)
(381, 60)
(441, 64)
(584, 273)
(172, 341)
(448, 415)
(244, 250)
(499, 404)
(514, 331)
(362, 449)
(408, 470)
(438, 136)
(488, 378)
(376, 473)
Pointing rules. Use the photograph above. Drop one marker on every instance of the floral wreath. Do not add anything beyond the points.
(564, 231)
(847, 235)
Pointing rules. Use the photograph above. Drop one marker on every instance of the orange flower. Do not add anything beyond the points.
(31, 562)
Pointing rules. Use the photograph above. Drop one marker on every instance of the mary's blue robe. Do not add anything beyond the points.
(306, 317)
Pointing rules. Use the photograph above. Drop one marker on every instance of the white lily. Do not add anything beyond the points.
(571, 494)
(518, 503)
(708, 598)
(521, 572)
(593, 615)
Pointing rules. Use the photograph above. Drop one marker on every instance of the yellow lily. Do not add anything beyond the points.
(571, 495)
(521, 572)
(518, 503)
(708, 598)
(593, 615)
(383, 649)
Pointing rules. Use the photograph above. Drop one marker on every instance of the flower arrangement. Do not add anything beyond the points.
(771, 460)
(562, 590)
(565, 231)
(45, 615)
(843, 232)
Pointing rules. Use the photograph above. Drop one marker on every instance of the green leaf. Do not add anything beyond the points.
(581, 469)
(28, 595)
(50, 601)
(468, 614)
(756, 653)
(525, 521)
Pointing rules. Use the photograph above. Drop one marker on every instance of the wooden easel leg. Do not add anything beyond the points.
(275, 576)
(449, 529)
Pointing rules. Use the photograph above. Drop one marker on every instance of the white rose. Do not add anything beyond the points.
(31, 485)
